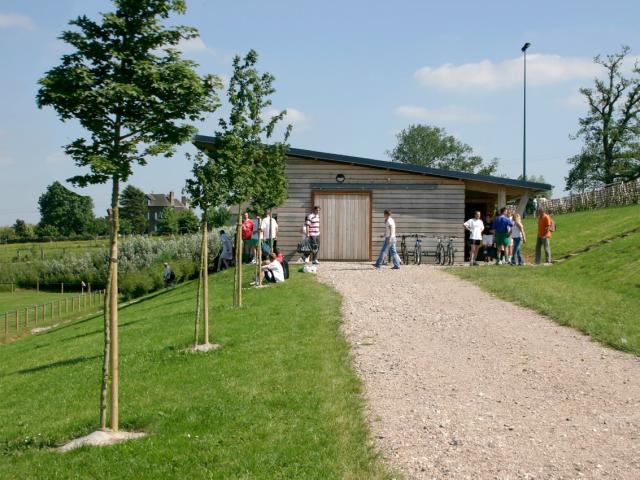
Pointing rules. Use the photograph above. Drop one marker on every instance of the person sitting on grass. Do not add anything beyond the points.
(273, 272)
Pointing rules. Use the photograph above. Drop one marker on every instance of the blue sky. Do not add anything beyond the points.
(351, 73)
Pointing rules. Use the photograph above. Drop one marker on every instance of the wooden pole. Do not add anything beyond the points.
(37, 286)
(62, 288)
(17, 322)
(44, 313)
(205, 283)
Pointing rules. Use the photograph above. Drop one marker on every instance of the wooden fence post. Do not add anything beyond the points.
(38, 286)
(17, 321)
(62, 288)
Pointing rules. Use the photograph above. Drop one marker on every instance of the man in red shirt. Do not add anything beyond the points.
(247, 229)
(544, 235)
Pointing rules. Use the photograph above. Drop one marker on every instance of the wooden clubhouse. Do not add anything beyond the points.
(353, 193)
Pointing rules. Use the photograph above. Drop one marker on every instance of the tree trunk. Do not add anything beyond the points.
(113, 302)
(205, 281)
(259, 255)
(107, 346)
(199, 292)
(238, 282)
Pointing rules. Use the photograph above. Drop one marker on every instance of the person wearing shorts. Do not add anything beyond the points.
(475, 226)
(253, 241)
(502, 226)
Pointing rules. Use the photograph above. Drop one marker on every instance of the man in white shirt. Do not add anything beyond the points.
(273, 272)
(389, 242)
(269, 228)
(474, 226)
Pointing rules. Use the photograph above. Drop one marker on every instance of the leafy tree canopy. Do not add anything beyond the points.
(168, 222)
(65, 210)
(127, 85)
(134, 208)
(187, 222)
(611, 129)
(432, 147)
(22, 229)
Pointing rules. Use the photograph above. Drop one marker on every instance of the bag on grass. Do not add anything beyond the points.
(304, 247)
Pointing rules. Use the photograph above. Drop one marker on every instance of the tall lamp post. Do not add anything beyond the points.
(524, 115)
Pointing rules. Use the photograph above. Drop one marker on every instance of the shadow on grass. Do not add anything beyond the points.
(61, 363)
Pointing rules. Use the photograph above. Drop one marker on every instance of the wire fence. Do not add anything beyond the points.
(25, 319)
(615, 195)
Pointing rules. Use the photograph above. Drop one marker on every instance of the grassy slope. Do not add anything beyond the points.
(278, 401)
(577, 230)
(597, 292)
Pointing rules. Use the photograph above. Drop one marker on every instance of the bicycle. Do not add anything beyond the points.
(439, 256)
(417, 248)
(450, 252)
(404, 251)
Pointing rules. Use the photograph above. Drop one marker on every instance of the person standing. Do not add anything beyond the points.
(502, 226)
(313, 233)
(544, 235)
(389, 242)
(168, 276)
(475, 226)
(227, 251)
(269, 230)
(518, 236)
(247, 231)
(254, 238)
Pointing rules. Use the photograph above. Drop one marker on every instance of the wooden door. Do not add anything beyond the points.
(345, 225)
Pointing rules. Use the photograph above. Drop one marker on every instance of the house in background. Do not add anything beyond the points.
(157, 202)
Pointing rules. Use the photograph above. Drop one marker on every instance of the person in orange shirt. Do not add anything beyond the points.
(544, 235)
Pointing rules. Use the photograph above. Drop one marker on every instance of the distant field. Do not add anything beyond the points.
(28, 298)
(36, 251)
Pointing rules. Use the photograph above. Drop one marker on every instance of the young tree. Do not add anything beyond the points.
(611, 129)
(241, 145)
(127, 85)
(134, 208)
(207, 189)
(65, 210)
(429, 146)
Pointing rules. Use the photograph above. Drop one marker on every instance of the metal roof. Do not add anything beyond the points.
(400, 167)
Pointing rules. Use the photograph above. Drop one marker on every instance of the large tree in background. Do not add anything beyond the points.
(432, 147)
(611, 129)
(134, 208)
(65, 210)
(127, 85)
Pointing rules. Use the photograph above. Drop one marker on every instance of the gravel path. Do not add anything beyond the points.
(462, 385)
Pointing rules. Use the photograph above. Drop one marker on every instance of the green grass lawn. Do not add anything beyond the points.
(596, 292)
(35, 251)
(280, 400)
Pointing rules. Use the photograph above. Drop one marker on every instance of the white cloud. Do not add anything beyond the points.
(449, 113)
(8, 20)
(294, 117)
(192, 45)
(486, 75)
